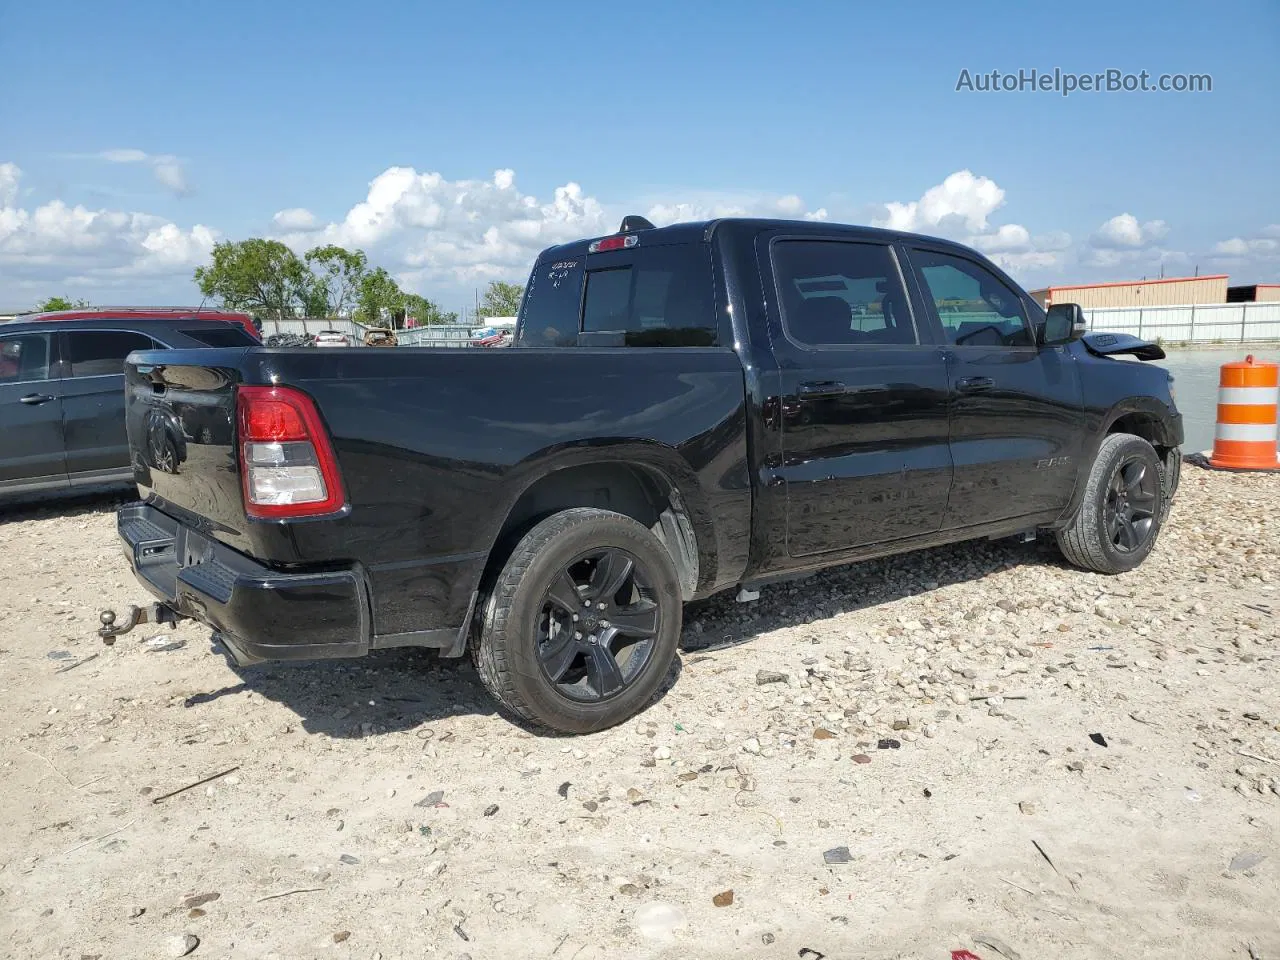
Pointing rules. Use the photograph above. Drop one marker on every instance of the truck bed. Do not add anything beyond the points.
(435, 448)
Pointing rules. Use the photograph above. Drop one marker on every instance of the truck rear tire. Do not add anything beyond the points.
(582, 623)
(1123, 507)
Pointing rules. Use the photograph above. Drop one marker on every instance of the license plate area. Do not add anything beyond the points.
(194, 550)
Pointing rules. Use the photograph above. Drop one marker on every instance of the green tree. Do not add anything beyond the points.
(337, 275)
(263, 276)
(60, 303)
(501, 300)
(379, 294)
(425, 312)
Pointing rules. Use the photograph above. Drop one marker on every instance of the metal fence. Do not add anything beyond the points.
(436, 335)
(1198, 323)
(310, 326)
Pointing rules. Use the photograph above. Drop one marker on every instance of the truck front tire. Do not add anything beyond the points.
(1123, 507)
(581, 625)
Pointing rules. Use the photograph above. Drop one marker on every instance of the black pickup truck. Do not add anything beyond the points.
(686, 409)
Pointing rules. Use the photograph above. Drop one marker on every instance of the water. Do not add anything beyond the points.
(1195, 375)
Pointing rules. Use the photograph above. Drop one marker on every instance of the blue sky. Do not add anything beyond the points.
(132, 137)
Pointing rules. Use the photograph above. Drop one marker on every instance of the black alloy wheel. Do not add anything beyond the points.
(579, 628)
(1132, 499)
(598, 625)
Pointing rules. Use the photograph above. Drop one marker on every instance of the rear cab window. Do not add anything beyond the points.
(655, 296)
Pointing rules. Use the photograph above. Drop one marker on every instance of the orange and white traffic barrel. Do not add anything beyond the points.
(1245, 438)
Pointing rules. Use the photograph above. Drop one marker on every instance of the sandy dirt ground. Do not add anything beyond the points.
(974, 748)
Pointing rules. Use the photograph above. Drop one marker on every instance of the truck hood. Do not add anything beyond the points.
(1111, 344)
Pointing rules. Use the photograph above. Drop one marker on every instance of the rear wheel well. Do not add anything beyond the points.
(638, 491)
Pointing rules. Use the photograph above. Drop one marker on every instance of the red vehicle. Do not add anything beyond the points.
(152, 313)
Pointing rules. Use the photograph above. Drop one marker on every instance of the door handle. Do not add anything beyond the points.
(34, 399)
(970, 384)
(814, 389)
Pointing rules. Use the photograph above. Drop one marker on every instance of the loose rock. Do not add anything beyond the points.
(181, 946)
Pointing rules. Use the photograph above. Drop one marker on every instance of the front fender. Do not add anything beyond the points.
(1151, 418)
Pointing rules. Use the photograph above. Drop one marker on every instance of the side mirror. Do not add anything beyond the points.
(1063, 323)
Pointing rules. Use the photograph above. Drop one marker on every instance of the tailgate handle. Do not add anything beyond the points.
(35, 399)
(970, 384)
(813, 389)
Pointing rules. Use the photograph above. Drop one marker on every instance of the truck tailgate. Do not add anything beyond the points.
(180, 417)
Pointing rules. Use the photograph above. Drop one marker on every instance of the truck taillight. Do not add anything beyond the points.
(287, 464)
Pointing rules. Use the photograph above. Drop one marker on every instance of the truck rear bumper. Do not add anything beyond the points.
(261, 613)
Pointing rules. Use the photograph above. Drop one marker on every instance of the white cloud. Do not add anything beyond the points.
(1257, 254)
(1124, 242)
(9, 176)
(1011, 238)
(440, 236)
(790, 205)
(425, 227)
(165, 167)
(294, 218)
(56, 243)
(1013, 247)
(123, 156)
(966, 198)
(1124, 232)
(1240, 247)
(711, 205)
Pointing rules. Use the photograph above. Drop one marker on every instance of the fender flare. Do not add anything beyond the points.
(645, 454)
(1147, 407)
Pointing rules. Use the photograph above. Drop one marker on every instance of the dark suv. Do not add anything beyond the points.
(62, 392)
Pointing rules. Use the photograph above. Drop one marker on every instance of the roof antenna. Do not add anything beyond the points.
(634, 222)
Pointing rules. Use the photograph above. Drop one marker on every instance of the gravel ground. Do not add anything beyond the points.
(972, 748)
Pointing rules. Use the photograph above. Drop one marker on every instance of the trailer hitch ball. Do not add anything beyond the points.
(109, 630)
(157, 613)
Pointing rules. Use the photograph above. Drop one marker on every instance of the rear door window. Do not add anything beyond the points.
(24, 356)
(100, 353)
(220, 335)
(842, 294)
